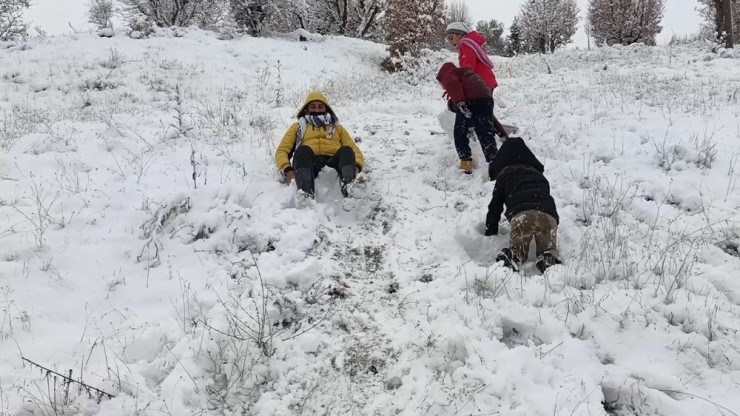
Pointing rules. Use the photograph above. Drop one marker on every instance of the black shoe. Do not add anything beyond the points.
(304, 180)
(347, 176)
(545, 261)
(507, 256)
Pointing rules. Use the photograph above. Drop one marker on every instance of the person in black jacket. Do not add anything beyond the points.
(522, 187)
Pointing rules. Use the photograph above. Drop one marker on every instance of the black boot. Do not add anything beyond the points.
(507, 256)
(546, 260)
(347, 176)
(344, 163)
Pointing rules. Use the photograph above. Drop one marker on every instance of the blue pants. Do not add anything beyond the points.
(482, 123)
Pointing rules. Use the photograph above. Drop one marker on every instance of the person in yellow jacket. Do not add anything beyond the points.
(317, 140)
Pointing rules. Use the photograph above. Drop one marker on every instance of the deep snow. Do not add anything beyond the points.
(224, 294)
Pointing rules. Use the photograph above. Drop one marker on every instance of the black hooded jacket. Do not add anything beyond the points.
(520, 184)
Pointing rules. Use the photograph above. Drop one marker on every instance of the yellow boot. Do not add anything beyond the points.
(467, 165)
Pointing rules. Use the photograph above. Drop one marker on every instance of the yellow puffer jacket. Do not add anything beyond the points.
(316, 138)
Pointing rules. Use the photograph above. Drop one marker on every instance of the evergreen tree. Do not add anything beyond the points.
(493, 30)
(514, 43)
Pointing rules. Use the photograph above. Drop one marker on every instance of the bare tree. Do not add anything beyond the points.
(625, 21)
(251, 15)
(355, 18)
(458, 11)
(339, 13)
(548, 24)
(213, 14)
(12, 25)
(293, 14)
(167, 13)
(369, 13)
(350, 17)
(588, 29)
(101, 13)
(311, 15)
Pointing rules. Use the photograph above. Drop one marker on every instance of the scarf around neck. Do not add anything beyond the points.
(482, 55)
(321, 120)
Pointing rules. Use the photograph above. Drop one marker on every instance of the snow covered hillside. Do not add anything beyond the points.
(149, 248)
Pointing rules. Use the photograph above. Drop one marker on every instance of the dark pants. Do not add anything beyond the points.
(537, 225)
(482, 122)
(307, 167)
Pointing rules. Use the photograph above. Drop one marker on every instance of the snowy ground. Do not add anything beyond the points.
(149, 247)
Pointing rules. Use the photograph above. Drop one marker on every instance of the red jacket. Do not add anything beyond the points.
(469, 59)
(462, 84)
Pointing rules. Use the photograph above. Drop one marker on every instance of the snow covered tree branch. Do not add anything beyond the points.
(458, 11)
(715, 13)
(252, 14)
(101, 13)
(493, 30)
(166, 13)
(369, 13)
(411, 25)
(12, 25)
(547, 24)
(625, 21)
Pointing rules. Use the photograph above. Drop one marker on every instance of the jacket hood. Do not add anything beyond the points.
(513, 152)
(476, 37)
(316, 96)
(445, 70)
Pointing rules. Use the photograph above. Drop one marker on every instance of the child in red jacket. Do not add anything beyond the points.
(472, 55)
(470, 98)
(469, 44)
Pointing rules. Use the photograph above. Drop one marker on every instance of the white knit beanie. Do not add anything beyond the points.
(457, 28)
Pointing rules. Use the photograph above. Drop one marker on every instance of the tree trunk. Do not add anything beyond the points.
(719, 23)
(728, 24)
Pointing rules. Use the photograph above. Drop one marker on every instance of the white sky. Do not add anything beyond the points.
(53, 15)
(681, 16)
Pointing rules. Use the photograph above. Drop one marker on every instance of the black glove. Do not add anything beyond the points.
(463, 109)
(491, 230)
(451, 106)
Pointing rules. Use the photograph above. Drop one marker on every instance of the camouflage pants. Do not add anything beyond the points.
(533, 224)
